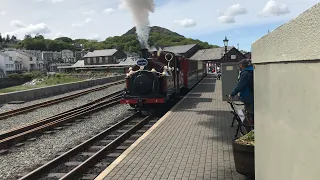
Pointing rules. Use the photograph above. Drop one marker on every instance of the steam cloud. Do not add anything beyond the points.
(140, 10)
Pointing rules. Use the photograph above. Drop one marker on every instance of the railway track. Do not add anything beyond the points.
(14, 136)
(90, 158)
(25, 109)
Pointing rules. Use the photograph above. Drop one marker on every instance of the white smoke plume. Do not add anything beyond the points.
(140, 11)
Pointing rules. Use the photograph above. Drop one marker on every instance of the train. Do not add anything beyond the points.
(160, 77)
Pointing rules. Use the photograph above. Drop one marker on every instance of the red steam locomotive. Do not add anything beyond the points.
(159, 77)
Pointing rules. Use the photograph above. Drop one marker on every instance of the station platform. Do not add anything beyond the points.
(192, 141)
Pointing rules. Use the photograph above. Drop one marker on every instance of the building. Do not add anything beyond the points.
(79, 54)
(106, 56)
(185, 50)
(68, 56)
(29, 62)
(50, 56)
(9, 64)
(217, 55)
(36, 53)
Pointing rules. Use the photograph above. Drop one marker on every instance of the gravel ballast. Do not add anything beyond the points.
(16, 121)
(21, 160)
(6, 107)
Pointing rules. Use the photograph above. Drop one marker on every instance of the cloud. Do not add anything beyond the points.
(273, 8)
(236, 10)
(53, 1)
(226, 19)
(86, 21)
(32, 29)
(186, 22)
(17, 24)
(57, 1)
(231, 13)
(108, 11)
(89, 12)
(2, 12)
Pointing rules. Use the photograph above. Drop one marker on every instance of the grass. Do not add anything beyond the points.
(48, 81)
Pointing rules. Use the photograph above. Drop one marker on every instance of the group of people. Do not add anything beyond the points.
(245, 88)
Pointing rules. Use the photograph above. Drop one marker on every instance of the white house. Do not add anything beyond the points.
(29, 62)
(9, 64)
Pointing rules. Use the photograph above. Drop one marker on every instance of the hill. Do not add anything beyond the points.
(127, 42)
(154, 29)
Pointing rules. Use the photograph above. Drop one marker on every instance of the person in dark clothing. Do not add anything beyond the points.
(245, 87)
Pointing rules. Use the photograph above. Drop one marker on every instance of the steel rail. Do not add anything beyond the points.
(29, 108)
(25, 132)
(44, 169)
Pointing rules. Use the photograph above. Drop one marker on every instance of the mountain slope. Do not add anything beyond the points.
(154, 29)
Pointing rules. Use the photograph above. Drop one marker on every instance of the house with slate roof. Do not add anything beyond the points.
(106, 56)
(217, 55)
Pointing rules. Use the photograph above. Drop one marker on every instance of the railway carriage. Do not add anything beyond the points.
(157, 78)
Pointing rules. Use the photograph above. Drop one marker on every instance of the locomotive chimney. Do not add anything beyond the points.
(144, 53)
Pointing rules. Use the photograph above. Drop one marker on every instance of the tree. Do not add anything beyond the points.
(7, 39)
(0, 38)
(13, 39)
(27, 36)
(38, 36)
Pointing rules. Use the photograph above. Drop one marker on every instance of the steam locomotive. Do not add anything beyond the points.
(158, 78)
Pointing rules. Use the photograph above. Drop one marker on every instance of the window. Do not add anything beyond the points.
(233, 56)
(10, 58)
(30, 58)
(100, 60)
(94, 61)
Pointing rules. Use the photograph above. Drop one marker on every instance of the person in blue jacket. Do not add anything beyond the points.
(245, 87)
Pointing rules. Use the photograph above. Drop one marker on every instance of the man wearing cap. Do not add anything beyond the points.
(245, 87)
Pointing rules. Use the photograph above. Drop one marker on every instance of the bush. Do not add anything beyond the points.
(26, 76)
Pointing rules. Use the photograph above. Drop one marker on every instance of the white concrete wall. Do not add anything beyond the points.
(287, 100)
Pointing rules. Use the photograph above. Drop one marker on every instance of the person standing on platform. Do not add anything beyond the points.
(245, 87)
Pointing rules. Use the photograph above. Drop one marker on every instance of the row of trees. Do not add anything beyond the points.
(8, 39)
(127, 42)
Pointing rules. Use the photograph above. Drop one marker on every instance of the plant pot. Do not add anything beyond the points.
(244, 159)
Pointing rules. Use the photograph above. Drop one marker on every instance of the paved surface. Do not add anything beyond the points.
(192, 142)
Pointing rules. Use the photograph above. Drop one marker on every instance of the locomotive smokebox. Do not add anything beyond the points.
(144, 53)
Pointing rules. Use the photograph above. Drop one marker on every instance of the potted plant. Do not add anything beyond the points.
(243, 153)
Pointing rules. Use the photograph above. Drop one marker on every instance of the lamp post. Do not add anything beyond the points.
(225, 42)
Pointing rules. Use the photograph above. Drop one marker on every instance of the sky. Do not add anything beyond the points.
(242, 22)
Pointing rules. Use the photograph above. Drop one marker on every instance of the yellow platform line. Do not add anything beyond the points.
(103, 174)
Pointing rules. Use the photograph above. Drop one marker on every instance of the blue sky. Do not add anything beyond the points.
(242, 21)
(245, 36)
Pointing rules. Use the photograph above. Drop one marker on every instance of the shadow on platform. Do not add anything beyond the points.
(191, 102)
